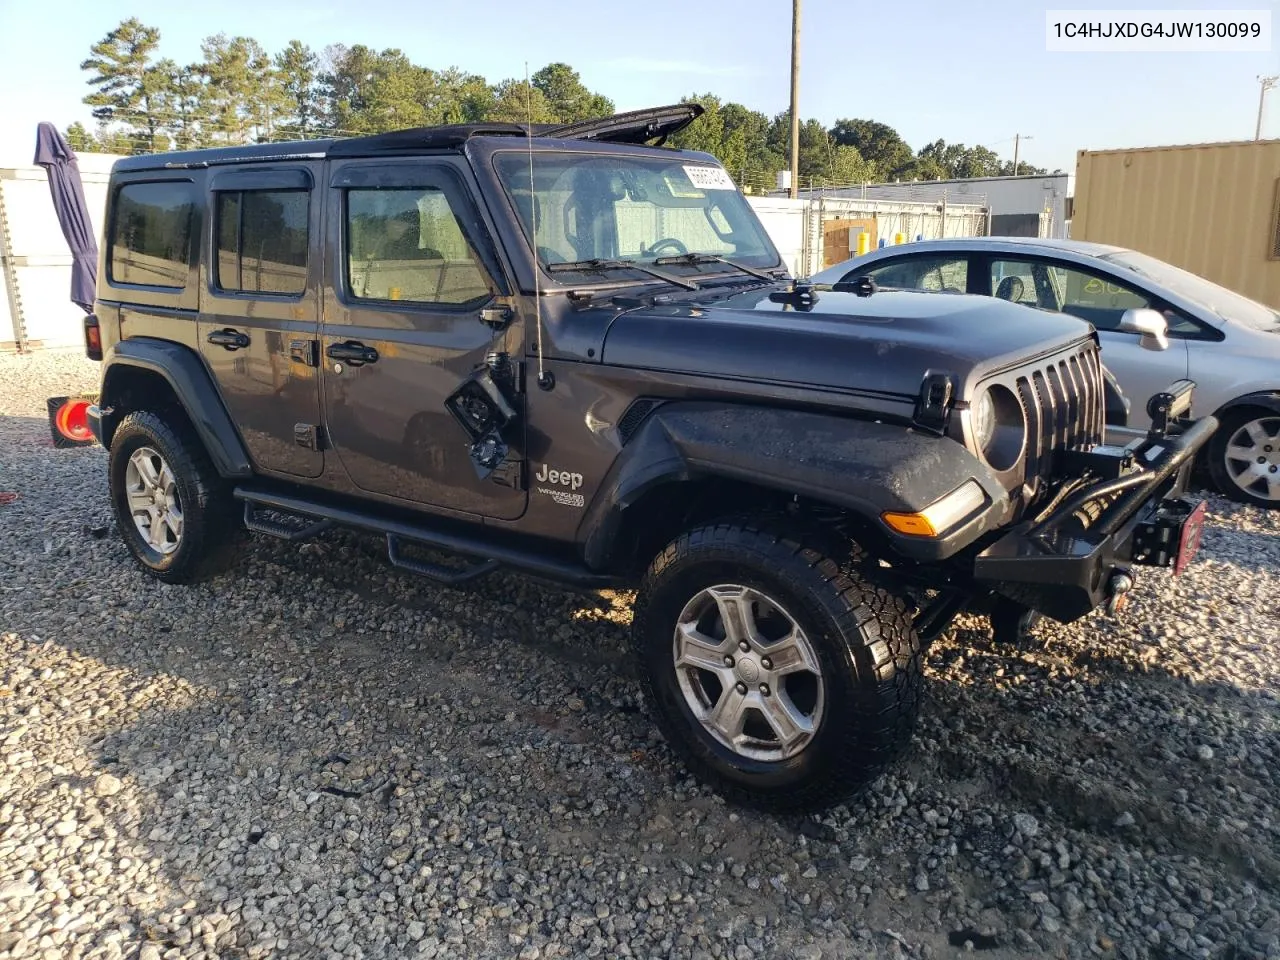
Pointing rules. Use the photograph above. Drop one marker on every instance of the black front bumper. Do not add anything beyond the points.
(1133, 513)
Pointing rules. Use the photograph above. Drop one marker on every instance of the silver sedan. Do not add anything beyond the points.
(1157, 324)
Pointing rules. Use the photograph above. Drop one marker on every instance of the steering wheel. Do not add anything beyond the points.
(671, 242)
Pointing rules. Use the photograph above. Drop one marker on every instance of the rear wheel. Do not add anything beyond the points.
(783, 679)
(1244, 457)
(174, 512)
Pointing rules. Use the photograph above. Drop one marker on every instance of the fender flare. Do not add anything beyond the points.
(184, 371)
(1269, 399)
(863, 466)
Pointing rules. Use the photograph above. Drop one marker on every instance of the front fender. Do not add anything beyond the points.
(863, 466)
(191, 384)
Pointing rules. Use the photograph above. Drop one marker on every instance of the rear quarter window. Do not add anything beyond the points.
(151, 234)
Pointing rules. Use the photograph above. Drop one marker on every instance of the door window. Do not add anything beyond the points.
(1100, 300)
(946, 274)
(407, 243)
(262, 241)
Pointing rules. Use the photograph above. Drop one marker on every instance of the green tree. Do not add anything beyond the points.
(878, 144)
(296, 74)
(515, 101)
(463, 97)
(567, 96)
(364, 91)
(125, 84)
(80, 139)
(241, 99)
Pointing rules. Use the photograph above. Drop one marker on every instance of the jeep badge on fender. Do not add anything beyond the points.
(803, 485)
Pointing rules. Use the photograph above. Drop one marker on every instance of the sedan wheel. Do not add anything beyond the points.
(1251, 460)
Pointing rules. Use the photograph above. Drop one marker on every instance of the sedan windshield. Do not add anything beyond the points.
(590, 209)
(1219, 300)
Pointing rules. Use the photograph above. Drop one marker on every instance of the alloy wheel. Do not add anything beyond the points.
(154, 504)
(748, 672)
(1252, 458)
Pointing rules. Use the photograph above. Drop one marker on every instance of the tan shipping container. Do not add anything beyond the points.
(1209, 208)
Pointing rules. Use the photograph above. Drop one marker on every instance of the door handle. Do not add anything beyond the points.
(353, 352)
(230, 339)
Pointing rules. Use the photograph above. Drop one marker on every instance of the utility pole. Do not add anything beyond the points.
(1267, 84)
(1017, 142)
(795, 99)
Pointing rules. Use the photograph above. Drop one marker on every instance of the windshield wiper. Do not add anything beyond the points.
(602, 265)
(693, 259)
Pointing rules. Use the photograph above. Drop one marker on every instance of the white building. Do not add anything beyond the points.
(1024, 206)
(35, 264)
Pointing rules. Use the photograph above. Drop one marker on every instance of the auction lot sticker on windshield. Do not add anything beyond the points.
(709, 178)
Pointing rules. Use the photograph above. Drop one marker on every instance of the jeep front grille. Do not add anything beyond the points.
(1065, 409)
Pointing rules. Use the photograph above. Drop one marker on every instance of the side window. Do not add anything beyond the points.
(262, 241)
(1018, 281)
(946, 274)
(407, 243)
(151, 234)
(1100, 300)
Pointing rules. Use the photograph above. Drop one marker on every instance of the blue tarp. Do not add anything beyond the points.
(55, 155)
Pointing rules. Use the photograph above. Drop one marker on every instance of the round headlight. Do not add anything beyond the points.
(999, 427)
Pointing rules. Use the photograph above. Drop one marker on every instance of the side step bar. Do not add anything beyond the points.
(488, 556)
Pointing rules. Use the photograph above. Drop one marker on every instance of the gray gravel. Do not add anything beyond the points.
(314, 756)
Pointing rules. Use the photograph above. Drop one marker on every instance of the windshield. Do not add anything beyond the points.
(1219, 300)
(636, 208)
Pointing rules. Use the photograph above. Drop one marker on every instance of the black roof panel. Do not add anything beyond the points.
(634, 127)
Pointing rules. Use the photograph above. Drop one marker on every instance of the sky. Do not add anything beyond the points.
(975, 73)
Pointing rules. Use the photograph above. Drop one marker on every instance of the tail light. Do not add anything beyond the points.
(92, 338)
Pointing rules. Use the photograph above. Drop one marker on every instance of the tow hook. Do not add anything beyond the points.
(1118, 587)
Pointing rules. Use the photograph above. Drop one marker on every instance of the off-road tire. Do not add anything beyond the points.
(862, 635)
(212, 530)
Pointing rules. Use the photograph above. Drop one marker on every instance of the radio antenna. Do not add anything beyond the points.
(544, 381)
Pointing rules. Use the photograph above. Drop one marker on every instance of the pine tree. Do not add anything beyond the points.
(126, 86)
(80, 139)
(296, 67)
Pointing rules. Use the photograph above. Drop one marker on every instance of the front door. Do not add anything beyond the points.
(412, 275)
(1100, 299)
(260, 315)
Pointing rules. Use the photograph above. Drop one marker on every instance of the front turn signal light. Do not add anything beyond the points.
(941, 515)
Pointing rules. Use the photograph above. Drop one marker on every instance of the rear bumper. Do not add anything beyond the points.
(1133, 513)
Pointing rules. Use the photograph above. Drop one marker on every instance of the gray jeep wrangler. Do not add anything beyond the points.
(569, 352)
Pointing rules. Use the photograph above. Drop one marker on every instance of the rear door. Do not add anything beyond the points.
(260, 311)
(413, 271)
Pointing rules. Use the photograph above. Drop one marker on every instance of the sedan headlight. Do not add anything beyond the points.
(999, 427)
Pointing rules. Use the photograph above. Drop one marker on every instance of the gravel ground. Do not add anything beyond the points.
(315, 756)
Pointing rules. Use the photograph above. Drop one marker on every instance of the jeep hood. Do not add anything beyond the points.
(883, 343)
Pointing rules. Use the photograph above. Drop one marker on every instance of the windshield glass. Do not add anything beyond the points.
(1220, 300)
(641, 208)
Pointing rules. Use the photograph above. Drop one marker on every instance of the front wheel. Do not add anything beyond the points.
(782, 678)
